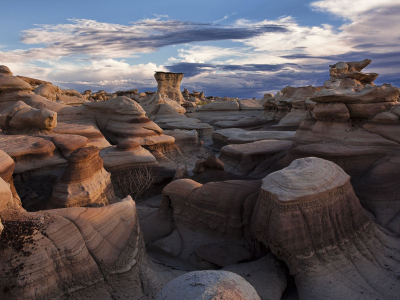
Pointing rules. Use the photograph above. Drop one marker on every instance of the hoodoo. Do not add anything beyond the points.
(309, 216)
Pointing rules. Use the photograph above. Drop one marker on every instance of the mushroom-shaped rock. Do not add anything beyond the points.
(309, 216)
(84, 182)
(208, 285)
(126, 155)
(122, 118)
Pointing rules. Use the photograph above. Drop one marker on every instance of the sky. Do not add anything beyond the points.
(229, 48)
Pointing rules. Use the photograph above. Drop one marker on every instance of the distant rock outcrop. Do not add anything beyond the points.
(170, 84)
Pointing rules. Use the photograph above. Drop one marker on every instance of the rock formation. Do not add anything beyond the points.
(210, 215)
(84, 182)
(255, 157)
(354, 126)
(208, 285)
(54, 93)
(169, 84)
(76, 253)
(229, 136)
(20, 116)
(309, 216)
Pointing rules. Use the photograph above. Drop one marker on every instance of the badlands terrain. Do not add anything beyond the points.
(178, 195)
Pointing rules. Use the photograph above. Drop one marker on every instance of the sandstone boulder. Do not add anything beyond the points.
(208, 285)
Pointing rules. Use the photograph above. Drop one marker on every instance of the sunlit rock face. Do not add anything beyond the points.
(78, 253)
(354, 125)
(84, 182)
(170, 84)
(310, 217)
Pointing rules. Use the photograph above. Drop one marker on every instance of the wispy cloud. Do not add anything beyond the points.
(225, 17)
(105, 40)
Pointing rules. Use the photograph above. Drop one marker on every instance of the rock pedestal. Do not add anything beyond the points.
(84, 182)
(170, 84)
(309, 216)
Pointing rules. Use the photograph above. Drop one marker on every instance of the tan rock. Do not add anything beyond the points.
(84, 182)
(9, 83)
(170, 84)
(239, 136)
(7, 166)
(20, 116)
(369, 110)
(350, 96)
(30, 153)
(220, 106)
(5, 70)
(126, 155)
(331, 111)
(208, 285)
(77, 253)
(330, 225)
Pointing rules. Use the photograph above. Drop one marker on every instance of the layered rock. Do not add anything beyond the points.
(229, 136)
(126, 155)
(214, 214)
(84, 182)
(21, 117)
(169, 114)
(31, 153)
(284, 111)
(244, 159)
(77, 253)
(309, 216)
(54, 93)
(354, 124)
(170, 84)
(7, 166)
(208, 285)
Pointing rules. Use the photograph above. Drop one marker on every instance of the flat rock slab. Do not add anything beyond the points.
(242, 159)
(239, 136)
(30, 153)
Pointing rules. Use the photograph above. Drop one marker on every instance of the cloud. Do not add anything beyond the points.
(224, 18)
(200, 54)
(266, 55)
(351, 9)
(193, 69)
(105, 40)
(248, 85)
